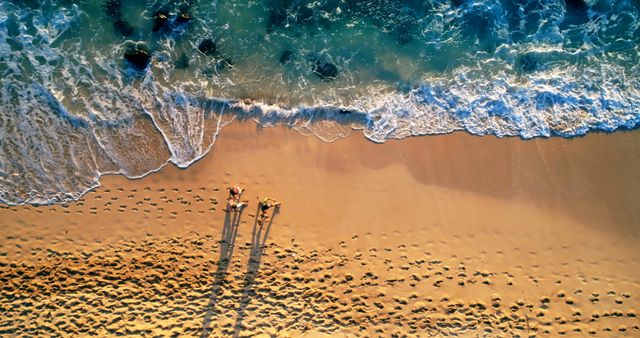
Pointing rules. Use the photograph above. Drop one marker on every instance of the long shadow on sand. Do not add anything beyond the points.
(227, 244)
(259, 237)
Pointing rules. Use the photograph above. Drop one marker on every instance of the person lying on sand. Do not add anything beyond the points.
(266, 204)
(235, 205)
(235, 192)
(233, 201)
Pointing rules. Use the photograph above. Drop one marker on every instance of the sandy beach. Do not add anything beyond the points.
(450, 235)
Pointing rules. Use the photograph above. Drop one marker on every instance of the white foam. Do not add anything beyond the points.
(75, 112)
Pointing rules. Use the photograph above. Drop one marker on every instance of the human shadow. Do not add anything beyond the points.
(227, 244)
(259, 237)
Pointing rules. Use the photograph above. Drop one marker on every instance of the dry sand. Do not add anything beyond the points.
(450, 235)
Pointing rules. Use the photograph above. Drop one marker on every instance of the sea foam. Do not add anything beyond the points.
(71, 109)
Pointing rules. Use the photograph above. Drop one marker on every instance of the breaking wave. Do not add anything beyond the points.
(73, 109)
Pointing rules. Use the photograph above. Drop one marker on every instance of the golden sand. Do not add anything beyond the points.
(431, 236)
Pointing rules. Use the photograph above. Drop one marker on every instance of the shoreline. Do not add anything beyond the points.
(459, 228)
(350, 130)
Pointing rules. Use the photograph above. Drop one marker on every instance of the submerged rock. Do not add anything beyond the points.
(576, 5)
(576, 12)
(286, 57)
(165, 18)
(404, 33)
(289, 14)
(527, 63)
(160, 19)
(207, 47)
(183, 17)
(138, 56)
(277, 19)
(182, 62)
(325, 70)
(32, 4)
(112, 8)
(122, 27)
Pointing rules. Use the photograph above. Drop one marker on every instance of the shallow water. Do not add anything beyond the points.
(72, 109)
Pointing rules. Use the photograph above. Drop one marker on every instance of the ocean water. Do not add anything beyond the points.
(73, 109)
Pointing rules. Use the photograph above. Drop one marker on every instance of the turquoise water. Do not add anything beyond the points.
(72, 108)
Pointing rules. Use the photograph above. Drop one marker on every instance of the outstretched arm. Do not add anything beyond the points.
(272, 201)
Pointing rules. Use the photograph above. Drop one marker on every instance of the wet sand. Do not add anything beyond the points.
(440, 235)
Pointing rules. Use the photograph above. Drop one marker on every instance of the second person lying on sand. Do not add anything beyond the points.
(233, 201)
(264, 206)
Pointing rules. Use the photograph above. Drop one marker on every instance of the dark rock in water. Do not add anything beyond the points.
(122, 27)
(325, 70)
(457, 3)
(576, 5)
(299, 14)
(286, 57)
(290, 14)
(478, 28)
(183, 17)
(576, 13)
(207, 47)
(527, 63)
(404, 38)
(403, 32)
(13, 25)
(112, 8)
(185, 6)
(277, 19)
(480, 25)
(182, 62)
(33, 4)
(278, 12)
(303, 14)
(344, 112)
(138, 56)
(160, 19)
